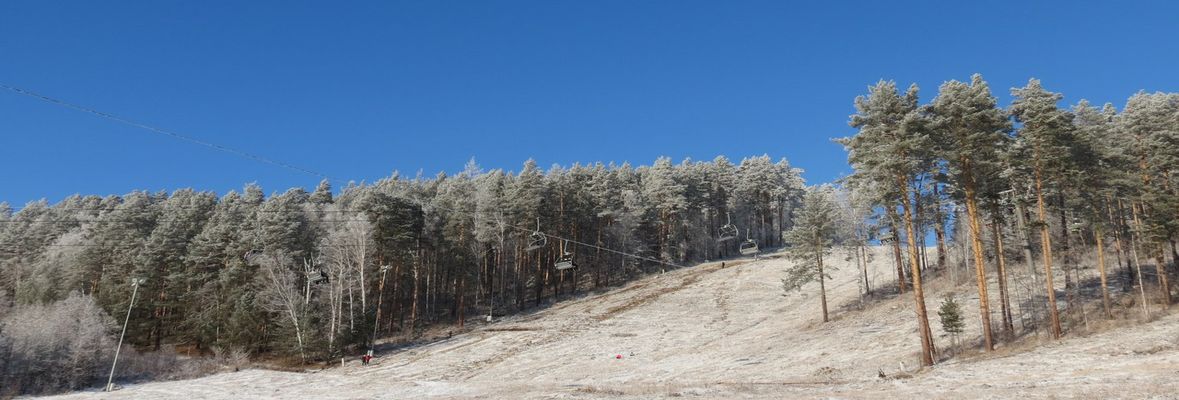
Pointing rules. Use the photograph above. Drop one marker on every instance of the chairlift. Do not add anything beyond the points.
(536, 239)
(728, 231)
(566, 260)
(252, 256)
(748, 247)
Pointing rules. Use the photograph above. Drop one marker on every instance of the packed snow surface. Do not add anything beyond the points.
(712, 332)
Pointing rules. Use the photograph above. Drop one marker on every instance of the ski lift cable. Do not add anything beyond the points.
(191, 207)
(529, 230)
(161, 131)
(109, 220)
(133, 245)
(607, 249)
(266, 160)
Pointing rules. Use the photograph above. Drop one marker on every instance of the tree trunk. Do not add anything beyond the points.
(333, 314)
(822, 280)
(1174, 253)
(1004, 298)
(159, 321)
(984, 307)
(919, 225)
(462, 305)
(1161, 270)
(896, 250)
(1046, 248)
(413, 311)
(298, 335)
(1117, 224)
(598, 264)
(539, 281)
(863, 265)
(923, 246)
(1159, 263)
(918, 293)
(1137, 264)
(363, 283)
(396, 295)
(1070, 285)
(1026, 237)
(517, 274)
(864, 256)
(1097, 234)
(380, 300)
(939, 230)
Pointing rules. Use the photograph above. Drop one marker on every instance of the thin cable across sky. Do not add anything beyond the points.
(258, 158)
(165, 132)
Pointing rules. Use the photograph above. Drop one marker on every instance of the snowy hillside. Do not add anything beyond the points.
(717, 332)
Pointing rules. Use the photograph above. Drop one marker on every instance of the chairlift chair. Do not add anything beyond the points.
(728, 231)
(566, 260)
(748, 247)
(537, 239)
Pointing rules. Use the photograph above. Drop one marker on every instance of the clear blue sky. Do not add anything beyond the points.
(357, 90)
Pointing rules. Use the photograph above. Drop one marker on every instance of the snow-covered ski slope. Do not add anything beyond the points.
(708, 332)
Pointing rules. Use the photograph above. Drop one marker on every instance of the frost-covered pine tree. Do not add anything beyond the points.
(666, 195)
(1150, 122)
(891, 148)
(856, 204)
(969, 133)
(723, 176)
(492, 229)
(161, 261)
(118, 244)
(758, 186)
(810, 240)
(322, 193)
(220, 284)
(1097, 172)
(951, 318)
(1042, 143)
(527, 199)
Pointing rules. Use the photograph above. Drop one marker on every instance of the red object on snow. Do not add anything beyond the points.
(618, 356)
